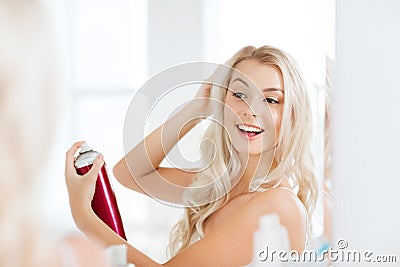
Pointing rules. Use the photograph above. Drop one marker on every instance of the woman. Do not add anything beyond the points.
(262, 164)
(27, 123)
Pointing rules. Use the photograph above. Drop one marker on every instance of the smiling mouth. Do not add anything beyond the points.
(250, 130)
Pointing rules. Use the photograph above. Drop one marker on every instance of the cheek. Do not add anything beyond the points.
(277, 117)
(231, 110)
(231, 106)
(229, 114)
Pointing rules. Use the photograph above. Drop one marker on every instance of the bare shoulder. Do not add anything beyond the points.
(280, 200)
(289, 208)
(233, 233)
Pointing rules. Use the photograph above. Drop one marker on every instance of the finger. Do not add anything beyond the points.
(208, 86)
(97, 164)
(219, 75)
(207, 89)
(69, 157)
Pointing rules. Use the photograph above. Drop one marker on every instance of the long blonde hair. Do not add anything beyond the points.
(292, 155)
(26, 117)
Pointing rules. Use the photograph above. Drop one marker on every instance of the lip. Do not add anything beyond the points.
(250, 125)
(245, 135)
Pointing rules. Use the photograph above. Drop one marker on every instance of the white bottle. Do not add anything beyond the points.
(270, 242)
(117, 255)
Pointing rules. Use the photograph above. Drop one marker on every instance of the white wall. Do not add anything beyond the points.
(366, 125)
(175, 33)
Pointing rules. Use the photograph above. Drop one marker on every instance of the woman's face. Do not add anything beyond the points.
(253, 107)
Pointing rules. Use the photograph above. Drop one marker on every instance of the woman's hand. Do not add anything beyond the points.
(202, 101)
(80, 187)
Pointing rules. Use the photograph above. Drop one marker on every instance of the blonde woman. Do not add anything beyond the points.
(27, 122)
(261, 163)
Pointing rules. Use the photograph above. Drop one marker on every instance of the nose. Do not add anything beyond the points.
(248, 112)
(252, 109)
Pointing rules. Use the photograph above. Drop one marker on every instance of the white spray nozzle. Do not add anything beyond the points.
(85, 148)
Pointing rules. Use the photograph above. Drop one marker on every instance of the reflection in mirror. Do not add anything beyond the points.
(135, 40)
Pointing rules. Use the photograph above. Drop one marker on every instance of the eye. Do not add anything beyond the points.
(271, 100)
(239, 95)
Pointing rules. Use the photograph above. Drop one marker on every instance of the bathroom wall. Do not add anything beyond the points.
(366, 126)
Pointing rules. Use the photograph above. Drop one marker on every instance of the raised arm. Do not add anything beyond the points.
(229, 244)
(144, 160)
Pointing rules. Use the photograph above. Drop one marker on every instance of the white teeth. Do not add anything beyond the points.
(249, 129)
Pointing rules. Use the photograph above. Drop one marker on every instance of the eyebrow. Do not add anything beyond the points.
(273, 89)
(240, 80)
(264, 90)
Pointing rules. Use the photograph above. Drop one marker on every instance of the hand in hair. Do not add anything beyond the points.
(202, 101)
(204, 97)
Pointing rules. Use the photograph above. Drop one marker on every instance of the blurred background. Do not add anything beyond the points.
(108, 48)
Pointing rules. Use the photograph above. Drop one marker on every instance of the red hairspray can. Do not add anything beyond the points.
(104, 203)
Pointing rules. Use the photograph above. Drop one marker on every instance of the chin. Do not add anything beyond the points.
(247, 151)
